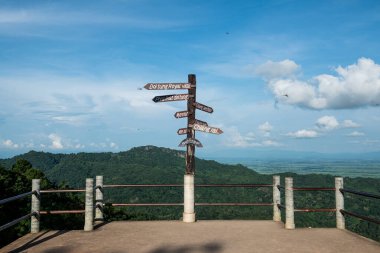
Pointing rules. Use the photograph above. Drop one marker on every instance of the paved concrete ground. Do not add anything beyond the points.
(199, 237)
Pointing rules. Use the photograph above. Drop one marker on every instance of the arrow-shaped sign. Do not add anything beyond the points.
(170, 98)
(190, 141)
(181, 114)
(203, 107)
(200, 122)
(167, 86)
(207, 129)
(182, 131)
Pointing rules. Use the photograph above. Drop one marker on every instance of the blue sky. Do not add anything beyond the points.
(280, 75)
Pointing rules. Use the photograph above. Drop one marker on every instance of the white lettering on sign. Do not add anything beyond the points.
(182, 131)
(207, 129)
(169, 98)
(181, 114)
(192, 141)
(167, 86)
(203, 107)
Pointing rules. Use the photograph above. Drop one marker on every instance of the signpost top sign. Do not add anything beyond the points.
(167, 86)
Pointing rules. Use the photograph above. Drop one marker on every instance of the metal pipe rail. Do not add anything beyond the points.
(181, 204)
(143, 204)
(312, 189)
(62, 212)
(233, 204)
(62, 190)
(365, 194)
(366, 218)
(48, 212)
(313, 210)
(181, 185)
(14, 222)
(7, 200)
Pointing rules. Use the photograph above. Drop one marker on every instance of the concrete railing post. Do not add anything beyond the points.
(188, 203)
(276, 199)
(289, 203)
(339, 201)
(99, 199)
(89, 205)
(36, 204)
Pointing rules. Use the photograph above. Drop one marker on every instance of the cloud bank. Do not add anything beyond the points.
(354, 86)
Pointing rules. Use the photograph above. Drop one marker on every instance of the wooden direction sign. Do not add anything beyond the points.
(190, 141)
(207, 129)
(182, 131)
(167, 86)
(181, 114)
(203, 107)
(170, 98)
(200, 122)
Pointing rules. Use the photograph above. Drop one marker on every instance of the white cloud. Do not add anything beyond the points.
(233, 138)
(9, 144)
(56, 141)
(355, 134)
(113, 145)
(61, 17)
(356, 85)
(327, 123)
(303, 134)
(270, 143)
(273, 70)
(349, 124)
(265, 127)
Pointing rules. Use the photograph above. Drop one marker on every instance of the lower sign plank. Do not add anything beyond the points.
(200, 122)
(181, 114)
(169, 98)
(190, 141)
(203, 107)
(207, 129)
(182, 131)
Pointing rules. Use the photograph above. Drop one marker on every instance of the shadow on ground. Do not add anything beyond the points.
(213, 247)
(41, 239)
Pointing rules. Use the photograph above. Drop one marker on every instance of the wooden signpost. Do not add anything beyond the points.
(193, 125)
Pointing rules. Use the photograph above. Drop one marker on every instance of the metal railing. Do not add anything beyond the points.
(94, 206)
(181, 185)
(16, 221)
(363, 194)
(339, 206)
(48, 212)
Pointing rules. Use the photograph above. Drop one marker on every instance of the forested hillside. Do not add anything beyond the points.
(153, 165)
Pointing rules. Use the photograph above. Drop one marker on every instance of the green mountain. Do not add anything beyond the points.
(154, 165)
(146, 164)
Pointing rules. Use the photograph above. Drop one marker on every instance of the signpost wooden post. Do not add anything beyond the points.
(193, 125)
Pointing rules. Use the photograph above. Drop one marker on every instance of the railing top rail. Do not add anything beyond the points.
(3, 201)
(62, 190)
(196, 204)
(181, 185)
(365, 194)
(312, 210)
(62, 212)
(360, 216)
(140, 185)
(234, 185)
(313, 189)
